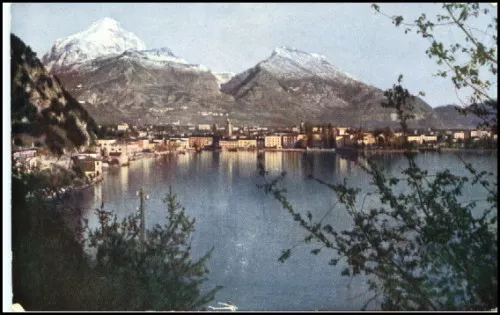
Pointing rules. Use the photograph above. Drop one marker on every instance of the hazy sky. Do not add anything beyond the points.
(235, 36)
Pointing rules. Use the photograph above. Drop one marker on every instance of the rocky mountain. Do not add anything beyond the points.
(292, 85)
(41, 109)
(450, 118)
(223, 77)
(103, 38)
(132, 84)
(115, 78)
(145, 87)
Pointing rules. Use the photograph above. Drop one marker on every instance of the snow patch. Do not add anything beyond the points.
(223, 77)
(102, 38)
(294, 63)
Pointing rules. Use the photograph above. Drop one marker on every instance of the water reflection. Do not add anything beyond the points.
(97, 193)
(273, 162)
(291, 161)
(124, 174)
(249, 229)
(344, 165)
(146, 166)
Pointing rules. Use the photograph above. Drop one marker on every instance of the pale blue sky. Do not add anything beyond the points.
(235, 36)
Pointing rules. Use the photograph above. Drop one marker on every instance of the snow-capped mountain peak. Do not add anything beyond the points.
(103, 37)
(157, 57)
(162, 51)
(104, 23)
(296, 54)
(291, 62)
(154, 59)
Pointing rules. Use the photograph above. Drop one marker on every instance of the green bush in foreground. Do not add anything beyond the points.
(52, 271)
(154, 274)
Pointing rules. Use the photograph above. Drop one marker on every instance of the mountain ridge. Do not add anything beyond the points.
(156, 86)
(308, 87)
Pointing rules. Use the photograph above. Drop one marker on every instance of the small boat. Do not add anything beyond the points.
(225, 307)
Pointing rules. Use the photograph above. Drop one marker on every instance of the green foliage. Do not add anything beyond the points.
(156, 275)
(48, 262)
(399, 98)
(52, 271)
(467, 60)
(422, 249)
(420, 244)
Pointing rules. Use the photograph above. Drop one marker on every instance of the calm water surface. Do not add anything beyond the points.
(249, 229)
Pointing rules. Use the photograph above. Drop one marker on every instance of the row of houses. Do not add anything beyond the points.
(211, 130)
(339, 137)
(121, 152)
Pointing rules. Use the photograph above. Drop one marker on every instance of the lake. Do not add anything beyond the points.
(249, 230)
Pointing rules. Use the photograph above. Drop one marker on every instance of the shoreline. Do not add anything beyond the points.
(467, 150)
(339, 150)
(70, 189)
(354, 150)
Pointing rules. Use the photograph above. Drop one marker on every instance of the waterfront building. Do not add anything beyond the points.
(341, 130)
(119, 158)
(228, 144)
(272, 142)
(459, 135)
(145, 144)
(178, 144)
(247, 143)
(128, 148)
(200, 142)
(367, 139)
(315, 140)
(91, 167)
(429, 138)
(413, 138)
(289, 140)
(104, 145)
(422, 138)
(480, 134)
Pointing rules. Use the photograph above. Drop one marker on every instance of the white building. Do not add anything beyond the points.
(272, 142)
(122, 127)
(204, 127)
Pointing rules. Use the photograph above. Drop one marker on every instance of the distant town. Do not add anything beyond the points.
(119, 144)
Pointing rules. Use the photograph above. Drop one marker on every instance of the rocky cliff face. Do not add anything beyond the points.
(41, 109)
